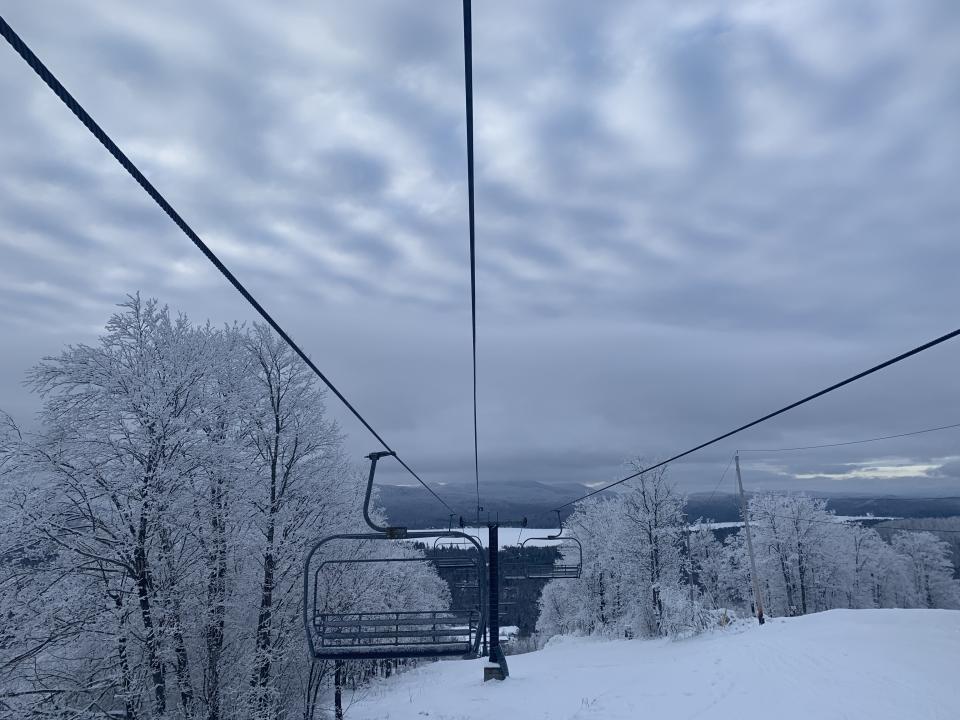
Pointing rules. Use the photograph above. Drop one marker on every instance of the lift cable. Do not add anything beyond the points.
(853, 442)
(768, 416)
(468, 87)
(61, 92)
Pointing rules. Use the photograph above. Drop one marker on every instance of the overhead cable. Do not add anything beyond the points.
(468, 86)
(61, 92)
(853, 442)
(775, 413)
(720, 481)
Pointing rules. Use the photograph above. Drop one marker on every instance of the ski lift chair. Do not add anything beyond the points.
(464, 559)
(413, 632)
(567, 566)
(513, 570)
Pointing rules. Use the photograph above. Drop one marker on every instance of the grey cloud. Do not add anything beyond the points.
(685, 217)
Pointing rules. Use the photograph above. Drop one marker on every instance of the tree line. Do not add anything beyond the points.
(650, 572)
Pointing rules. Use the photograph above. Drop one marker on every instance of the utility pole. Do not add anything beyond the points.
(496, 667)
(746, 527)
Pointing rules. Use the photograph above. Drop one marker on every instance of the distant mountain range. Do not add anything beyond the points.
(414, 507)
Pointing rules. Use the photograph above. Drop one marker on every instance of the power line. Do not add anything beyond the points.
(854, 442)
(720, 481)
(61, 92)
(768, 416)
(468, 92)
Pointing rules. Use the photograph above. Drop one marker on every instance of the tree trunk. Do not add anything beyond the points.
(802, 573)
(261, 677)
(144, 582)
(216, 599)
(182, 660)
(787, 582)
(318, 671)
(130, 708)
(603, 617)
(655, 583)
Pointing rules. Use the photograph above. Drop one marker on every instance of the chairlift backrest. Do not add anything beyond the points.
(382, 633)
(567, 566)
(461, 557)
(408, 632)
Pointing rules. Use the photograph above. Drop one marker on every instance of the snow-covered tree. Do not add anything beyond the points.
(636, 571)
(927, 561)
(154, 527)
(647, 573)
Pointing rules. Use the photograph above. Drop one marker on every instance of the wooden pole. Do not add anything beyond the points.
(753, 561)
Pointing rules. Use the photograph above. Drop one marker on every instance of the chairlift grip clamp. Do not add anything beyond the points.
(380, 454)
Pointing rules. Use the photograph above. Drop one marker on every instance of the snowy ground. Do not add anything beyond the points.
(870, 664)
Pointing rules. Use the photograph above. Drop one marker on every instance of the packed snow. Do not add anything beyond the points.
(876, 664)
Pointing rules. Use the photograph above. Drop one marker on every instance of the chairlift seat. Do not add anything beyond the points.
(378, 635)
(553, 572)
(333, 634)
(454, 563)
(513, 571)
(563, 568)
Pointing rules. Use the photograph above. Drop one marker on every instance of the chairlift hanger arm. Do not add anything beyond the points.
(559, 525)
(373, 458)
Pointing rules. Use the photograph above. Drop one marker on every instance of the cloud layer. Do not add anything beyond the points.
(686, 216)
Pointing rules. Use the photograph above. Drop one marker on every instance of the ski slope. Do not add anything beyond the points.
(870, 664)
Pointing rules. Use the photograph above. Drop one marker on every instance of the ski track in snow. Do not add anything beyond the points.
(835, 665)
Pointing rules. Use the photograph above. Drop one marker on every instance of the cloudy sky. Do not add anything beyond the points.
(688, 214)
